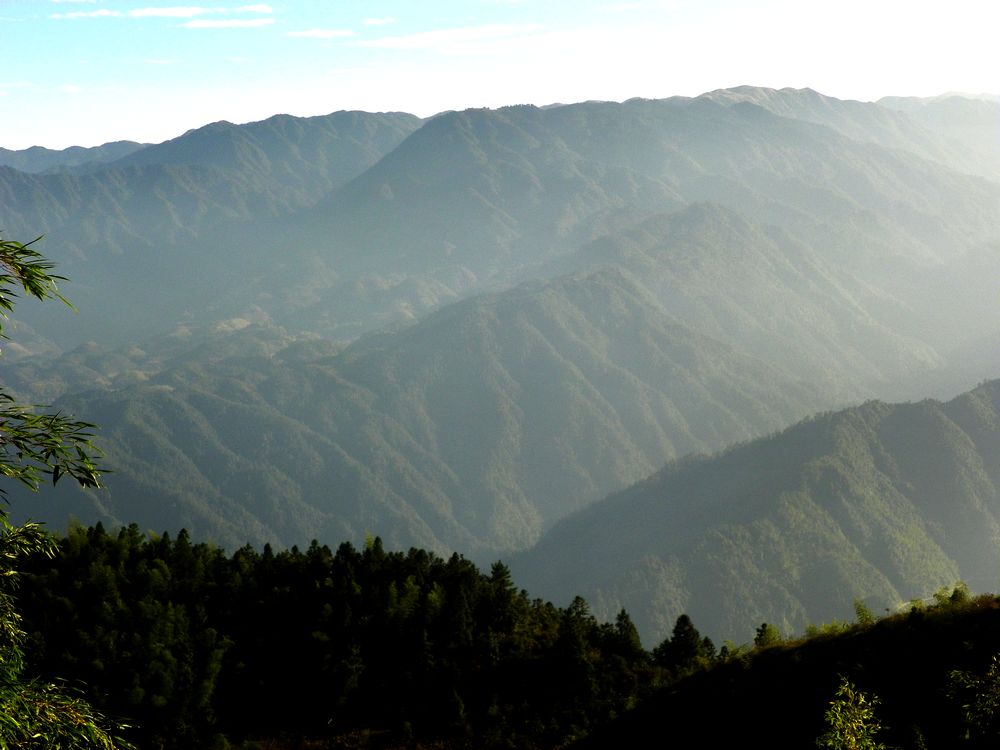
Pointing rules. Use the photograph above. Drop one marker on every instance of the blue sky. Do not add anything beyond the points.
(90, 71)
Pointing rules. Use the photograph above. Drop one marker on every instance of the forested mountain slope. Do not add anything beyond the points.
(879, 502)
(186, 215)
(922, 677)
(341, 224)
(761, 290)
(483, 196)
(306, 156)
(566, 297)
(475, 429)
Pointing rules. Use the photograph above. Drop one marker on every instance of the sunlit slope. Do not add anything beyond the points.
(879, 502)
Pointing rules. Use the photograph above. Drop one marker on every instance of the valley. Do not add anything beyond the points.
(463, 332)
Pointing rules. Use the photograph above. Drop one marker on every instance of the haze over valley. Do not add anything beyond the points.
(499, 374)
(459, 332)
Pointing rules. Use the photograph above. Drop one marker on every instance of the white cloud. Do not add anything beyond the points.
(70, 88)
(445, 39)
(321, 33)
(177, 11)
(191, 11)
(228, 23)
(168, 11)
(101, 13)
(648, 5)
(379, 21)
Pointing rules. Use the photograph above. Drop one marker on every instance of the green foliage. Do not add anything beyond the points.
(934, 672)
(955, 596)
(979, 698)
(16, 543)
(34, 445)
(851, 721)
(35, 713)
(190, 644)
(44, 716)
(686, 651)
(23, 266)
(767, 635)
(863, 614)
(826, 629)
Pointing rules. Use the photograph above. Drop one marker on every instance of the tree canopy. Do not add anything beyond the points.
(33, 445)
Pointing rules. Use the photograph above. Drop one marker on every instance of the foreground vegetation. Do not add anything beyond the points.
(925, 677)
(193, 645)
(371, 648)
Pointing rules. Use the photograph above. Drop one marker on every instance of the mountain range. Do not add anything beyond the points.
(457, 332)
(474, 429)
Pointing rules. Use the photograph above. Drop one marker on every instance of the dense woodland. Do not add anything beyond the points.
(191, 647)
(189, 644)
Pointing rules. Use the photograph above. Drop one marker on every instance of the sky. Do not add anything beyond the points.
(86, 72)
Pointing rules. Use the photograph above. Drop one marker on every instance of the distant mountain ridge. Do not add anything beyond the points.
(308, 156)
(418, 214)
(888, 124)
(967, 123)
(127, 230)
(38, 160)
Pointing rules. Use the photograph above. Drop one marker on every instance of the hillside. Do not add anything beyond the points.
(342, 224)
(739, 281)
(454, 332)
(484, 196)
(475, 429)
(186, 215)
(879, 502)
(925, 678)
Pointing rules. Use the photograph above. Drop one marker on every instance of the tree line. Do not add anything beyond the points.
(192, 646)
